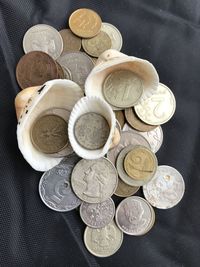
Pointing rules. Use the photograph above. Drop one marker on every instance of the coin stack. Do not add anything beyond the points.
(91, 181)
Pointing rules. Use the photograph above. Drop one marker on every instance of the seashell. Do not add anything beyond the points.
(112, 60)
(55, 94)
(85, 105)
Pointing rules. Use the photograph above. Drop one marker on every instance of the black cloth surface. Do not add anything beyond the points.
(167, 33)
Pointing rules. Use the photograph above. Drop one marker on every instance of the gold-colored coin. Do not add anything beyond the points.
(119, 114)
(85, 23)
(140, 163)
(125, 190)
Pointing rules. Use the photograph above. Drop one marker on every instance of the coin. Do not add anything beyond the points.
(67, 73)
(105, 241)
(42, 37)
(35, 68)
(97, 215)
(71, 42)
(61, 74)
(85, 23)
(55, 186)
(122, 88)
(94, 181)
(127, 138)
(166, 189)
(140, 163)
(119, 114)
(135, 122)
(49, 134)
(125, 190)
(158, 108)
(97, 45)
(134, 216)
(114, 34)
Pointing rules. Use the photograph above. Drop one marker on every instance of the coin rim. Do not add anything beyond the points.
(118, 33)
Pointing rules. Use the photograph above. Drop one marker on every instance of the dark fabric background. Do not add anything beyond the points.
(168, 34)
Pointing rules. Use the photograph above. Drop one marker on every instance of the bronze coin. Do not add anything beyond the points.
(61, 74)
(35, 68)
(71, 42)
(119, 114)
(125, 190)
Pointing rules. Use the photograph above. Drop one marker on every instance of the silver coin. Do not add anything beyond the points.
(134, 216)
(79, 64)
(114, 34)
(154, 137)
(97, 215)
(55, 186)
(94, 181)
(127, 138)
(166, 189)
(42, 37)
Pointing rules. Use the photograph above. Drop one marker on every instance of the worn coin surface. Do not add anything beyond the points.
(119, 114)
(61, 74)
(35, 68)
(122, 88)
(94, 181)
(85, 23)
(97, 45)
(134, 216)
(49, 134)
(71, 42)
(158, 108)
(91, 130)
(166, 189)
(125, 190)
(114, 34)
(42, 37)
(97, 215)
(105, 241)
(55, 186)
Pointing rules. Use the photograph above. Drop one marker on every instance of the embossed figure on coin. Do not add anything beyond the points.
(103, 237)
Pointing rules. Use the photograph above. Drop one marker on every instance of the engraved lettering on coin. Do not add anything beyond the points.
(71, 42)
(125, 190)
(114, 34)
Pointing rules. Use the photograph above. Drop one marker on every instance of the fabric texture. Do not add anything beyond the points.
(167, 33)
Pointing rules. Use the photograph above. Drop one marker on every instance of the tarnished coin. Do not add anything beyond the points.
(45, 38)
(49, 134)
(35, 68)
(97, 45)
(105, 241)
(154, 137)
(125, 190)
(134, 216)
(140, 163)
(71, 42)
(127, 138)
(135, 122)
(114, 34)
(79, 64)
(94, 181)
(166, 189)
(61, 74)
(119, 114)
(97, 215)
(158, 108)
(122, 88)
(55, 186)
(85, 23)
(91, 130)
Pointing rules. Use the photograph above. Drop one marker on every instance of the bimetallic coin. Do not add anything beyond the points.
(105, 241)
(97, 215)
(49, 134)
(85, 23)
(119, 114)
(125, 190)
(97, 45)
(114, 34)
(134, 216)
(45, 38)
(55, 187)
(94, 181)
(122, 88)
(91, 130)
(71, 42)
(166, 189)
(158, 108)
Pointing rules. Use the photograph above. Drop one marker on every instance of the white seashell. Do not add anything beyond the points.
(62, 94)
(85, 105)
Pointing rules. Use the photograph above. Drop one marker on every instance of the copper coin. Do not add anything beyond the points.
(71, 42)
(61, 74)
(119, 114)
(35, 68)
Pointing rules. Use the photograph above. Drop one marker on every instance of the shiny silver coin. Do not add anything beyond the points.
(55, 186)
(114, 34)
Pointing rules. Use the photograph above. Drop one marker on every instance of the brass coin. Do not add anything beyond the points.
(49, 134)
(61, 74)
(136, 123)
(125, 190)
(97, 45)
(85, 23)
(71, 42)
(119, 114)
(140, 163)
(35, 68)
